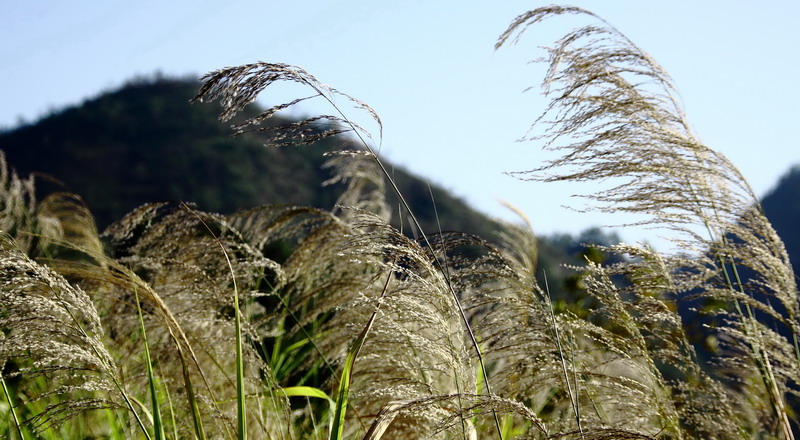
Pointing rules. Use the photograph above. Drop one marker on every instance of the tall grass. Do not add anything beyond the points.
(292, 322)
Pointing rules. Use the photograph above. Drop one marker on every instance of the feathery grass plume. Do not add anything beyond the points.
(334, 276)
(73, 233)
(43, 228)
(651, 302)
(241, 398)
(500, 297)
(54, 344)
(588, 372)
(236, 87)
(365, 184)
(186, 285)
(324, 300)
(314, 283)
(417, 346)
(613, 115)
(458, 405)
(166, 256)
(18, 207)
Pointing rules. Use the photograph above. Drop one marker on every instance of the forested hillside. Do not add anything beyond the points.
(145, 142)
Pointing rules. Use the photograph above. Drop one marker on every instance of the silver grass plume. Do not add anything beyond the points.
(41, 228)
(72, 225)
(613, 115)
(236, 87)
(417, 347)
(52, 331)
(581, 372)
(17, 205)
(19, 217)
(311, 301)
(365, 184)
(174, 263)
(651, 300)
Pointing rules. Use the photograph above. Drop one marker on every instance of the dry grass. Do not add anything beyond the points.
(429, 325)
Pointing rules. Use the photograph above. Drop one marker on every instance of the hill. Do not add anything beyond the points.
(145, 142)
(782, 207)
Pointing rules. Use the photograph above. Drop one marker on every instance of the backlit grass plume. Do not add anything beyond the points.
(54, 339)
(613, 115)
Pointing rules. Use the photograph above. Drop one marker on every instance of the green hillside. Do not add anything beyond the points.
(145, 142)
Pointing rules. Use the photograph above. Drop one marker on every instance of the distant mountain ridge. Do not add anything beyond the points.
(145, 142)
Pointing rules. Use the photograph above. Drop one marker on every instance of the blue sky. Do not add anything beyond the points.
(452, 107)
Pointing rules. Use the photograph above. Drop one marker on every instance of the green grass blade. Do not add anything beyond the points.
(199, 430)
(240, 397)
(344, 382)
(572, 396)
(114, 427)
(171, 413)
(304, 391)
(158, 425)
(147, 414)
(129, 400)
(11, 407)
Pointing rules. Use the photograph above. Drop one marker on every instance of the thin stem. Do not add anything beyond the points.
(11, 406)
(572, 397)
(241, 414)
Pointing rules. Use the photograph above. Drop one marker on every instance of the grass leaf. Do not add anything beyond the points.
(158, 424)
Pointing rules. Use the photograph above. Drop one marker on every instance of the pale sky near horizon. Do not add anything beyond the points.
(451, 106)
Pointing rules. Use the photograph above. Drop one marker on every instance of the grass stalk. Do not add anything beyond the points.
(171, 410)
(128, 399)
(337, 431)
(572, 396)
(483, 370)
(760, 354)
(11, 407)
(158, 425)
(191, 397)
(241, 415)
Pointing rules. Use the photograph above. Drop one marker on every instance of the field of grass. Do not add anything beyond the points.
(290, 322)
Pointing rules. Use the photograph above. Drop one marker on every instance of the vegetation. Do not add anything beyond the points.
(298, 322)
(781, 207)
(147, 135)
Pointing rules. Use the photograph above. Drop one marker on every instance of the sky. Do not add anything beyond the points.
(452, 107)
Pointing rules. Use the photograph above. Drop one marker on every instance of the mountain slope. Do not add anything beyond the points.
(145, 142)
(782, 207)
